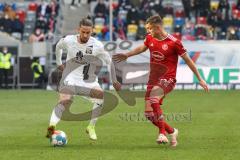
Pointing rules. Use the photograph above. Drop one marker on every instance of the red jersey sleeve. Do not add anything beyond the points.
(180, 50)
(146, 41)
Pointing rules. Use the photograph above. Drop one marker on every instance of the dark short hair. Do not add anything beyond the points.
(87, 21)
(154, 20)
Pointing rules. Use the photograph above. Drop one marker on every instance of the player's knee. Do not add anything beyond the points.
(97, 94)
(66, 102)
(157, 92)
(100, 95)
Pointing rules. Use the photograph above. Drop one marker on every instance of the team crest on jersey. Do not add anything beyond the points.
(89, 50)
(165, 47)
(151, 44)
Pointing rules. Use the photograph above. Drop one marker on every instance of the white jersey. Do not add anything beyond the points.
(83, 60)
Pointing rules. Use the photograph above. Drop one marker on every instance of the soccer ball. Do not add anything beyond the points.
(59, 138)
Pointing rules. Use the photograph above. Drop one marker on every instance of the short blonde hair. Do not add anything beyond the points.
(154, 20)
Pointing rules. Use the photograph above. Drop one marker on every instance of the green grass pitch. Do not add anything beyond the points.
(209, 126)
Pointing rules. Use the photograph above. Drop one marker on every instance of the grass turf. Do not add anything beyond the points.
(208, 124)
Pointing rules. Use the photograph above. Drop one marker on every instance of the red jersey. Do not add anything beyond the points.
(163, 57)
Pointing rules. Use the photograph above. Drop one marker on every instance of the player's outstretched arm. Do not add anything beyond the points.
(122, 57)
(117, 86)
(193, 67)
(59, 49)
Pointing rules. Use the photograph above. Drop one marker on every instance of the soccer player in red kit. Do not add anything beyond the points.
(164, 52)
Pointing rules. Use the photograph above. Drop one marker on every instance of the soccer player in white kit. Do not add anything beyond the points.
(84, 53)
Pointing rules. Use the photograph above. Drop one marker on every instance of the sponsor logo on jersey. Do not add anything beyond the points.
(158, 56)
(79, 58)
(79, 55)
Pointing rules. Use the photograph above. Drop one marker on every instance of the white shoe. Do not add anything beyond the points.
(91, 132)
(174, 136)
(162, 139)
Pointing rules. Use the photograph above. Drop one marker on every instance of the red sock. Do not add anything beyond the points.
(168, 128)
(150, 116)
(158, 117)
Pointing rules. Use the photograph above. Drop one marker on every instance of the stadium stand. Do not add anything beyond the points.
(21, 19)
(31, 28)
(211, 19)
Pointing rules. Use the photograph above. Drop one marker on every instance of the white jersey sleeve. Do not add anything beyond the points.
(61, 45)
(102, 54)
(106, 58)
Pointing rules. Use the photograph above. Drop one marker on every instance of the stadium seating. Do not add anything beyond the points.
(1, 7)
(214, 5)
(168, 23)
(179, 13)
(132, 31)
(14, 6)
(17, 35)
(179, 21)
(32, 6)
(202, 20)
(98, 28)
(26, 12)
(22, 15)
(172, 12)
(99, 21)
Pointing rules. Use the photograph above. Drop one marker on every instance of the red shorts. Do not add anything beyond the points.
(166, 84)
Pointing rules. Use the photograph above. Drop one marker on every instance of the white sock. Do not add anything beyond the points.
(96, 111)
(56, 114)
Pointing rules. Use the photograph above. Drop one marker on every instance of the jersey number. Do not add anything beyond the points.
(85, 72)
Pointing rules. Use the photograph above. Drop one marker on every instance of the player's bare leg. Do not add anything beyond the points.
(97, 94)
(65, 101)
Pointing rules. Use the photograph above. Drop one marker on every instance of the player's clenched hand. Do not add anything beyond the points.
(61, 67)
(204, 85)
(120, 57)
(117, 86)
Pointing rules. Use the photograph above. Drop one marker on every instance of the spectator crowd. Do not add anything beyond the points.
(13, 18)
(186, 19)
(10, 19)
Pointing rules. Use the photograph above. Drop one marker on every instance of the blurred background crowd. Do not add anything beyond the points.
(186, 19)
(30, 29)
